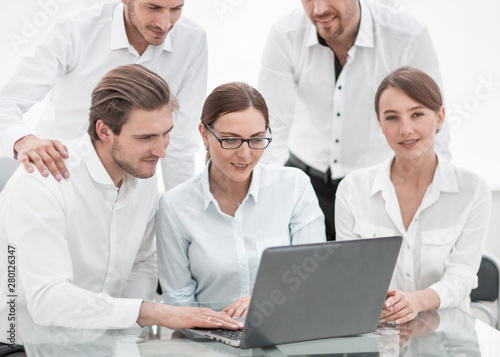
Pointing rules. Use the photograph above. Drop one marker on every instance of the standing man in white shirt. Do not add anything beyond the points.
(321, 67)
(83, 249)
(79, 50)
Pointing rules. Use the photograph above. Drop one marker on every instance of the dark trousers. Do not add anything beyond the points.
(325, 189)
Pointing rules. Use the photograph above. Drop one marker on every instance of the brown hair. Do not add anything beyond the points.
(232, 97)
(123, 89)
(416, 84)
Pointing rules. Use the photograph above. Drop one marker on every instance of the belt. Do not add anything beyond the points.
(325, 176)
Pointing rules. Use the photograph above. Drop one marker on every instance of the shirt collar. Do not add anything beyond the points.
(445, 176)
(382, 176)
(205, 186)
(119, 37)
(253, 190)
(365, 32)
(312, 35)
(96, 169)
(444, 179)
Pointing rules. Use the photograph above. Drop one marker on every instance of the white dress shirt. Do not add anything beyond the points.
(86, 255)
(443, 244)
(333, 125)
(72, 60)
(208, 256)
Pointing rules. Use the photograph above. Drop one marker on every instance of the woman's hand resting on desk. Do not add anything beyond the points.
(402, 307)
(239, 308)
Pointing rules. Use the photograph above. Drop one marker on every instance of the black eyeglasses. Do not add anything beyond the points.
(235, 143)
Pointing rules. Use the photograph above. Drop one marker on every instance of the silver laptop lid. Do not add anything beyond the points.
(316, 291)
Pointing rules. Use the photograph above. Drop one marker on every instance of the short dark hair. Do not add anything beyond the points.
(233, 97)
(416, 84)
(123, 89)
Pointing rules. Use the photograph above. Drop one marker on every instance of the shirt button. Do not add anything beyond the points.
(334, 161)
(340, 87)
(245, 291)
(336, 140)
(338, 114)
(408, 275)
(243, 264)
(374, 235)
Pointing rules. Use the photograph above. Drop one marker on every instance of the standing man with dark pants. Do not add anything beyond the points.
(321, 67)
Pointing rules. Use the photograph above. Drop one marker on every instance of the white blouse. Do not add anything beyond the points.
(443, 244)
(209, 256)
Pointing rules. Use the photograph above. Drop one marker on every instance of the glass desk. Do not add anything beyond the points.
(444, 333)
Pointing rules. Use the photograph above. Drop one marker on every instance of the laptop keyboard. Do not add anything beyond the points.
(229, 334)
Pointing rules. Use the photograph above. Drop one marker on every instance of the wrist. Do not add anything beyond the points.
(425, 300)
(147, 314)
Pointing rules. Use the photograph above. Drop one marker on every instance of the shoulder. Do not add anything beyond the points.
(79, 22)
(186, 24)
(96, 14)
(33, 185)
(366, 175)
(283, 176)
(293, 23)
(393, 21)
(185, 193)
(359, 182)
(186, 28)
(469, 181)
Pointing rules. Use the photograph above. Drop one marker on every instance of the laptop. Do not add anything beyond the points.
(315, 291)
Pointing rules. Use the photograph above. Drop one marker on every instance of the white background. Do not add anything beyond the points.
(466, 36)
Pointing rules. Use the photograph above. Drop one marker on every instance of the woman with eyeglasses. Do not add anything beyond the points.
(212, 230)
(439, 209)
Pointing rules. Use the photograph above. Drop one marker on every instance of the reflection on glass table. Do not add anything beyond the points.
(443, 333)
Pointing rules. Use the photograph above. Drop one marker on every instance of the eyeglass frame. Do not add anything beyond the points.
(221, 140)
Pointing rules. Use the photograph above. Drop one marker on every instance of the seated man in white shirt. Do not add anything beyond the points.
(77, 52)
(84, 248)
